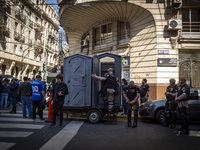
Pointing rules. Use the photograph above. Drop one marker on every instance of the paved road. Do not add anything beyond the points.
(17, 133)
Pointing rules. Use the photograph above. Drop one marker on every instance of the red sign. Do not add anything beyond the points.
(58, 67)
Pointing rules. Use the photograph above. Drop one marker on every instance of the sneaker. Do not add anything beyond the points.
(41, 118)
(33, 119)
(184, 132)
(52, 125)
(12, 112)
(129, 124)
(60, 125)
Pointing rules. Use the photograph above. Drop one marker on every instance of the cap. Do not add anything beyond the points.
(182, 78)
(110, 69)
(131, 83)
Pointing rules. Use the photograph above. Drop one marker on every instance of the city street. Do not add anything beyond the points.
(17, 133)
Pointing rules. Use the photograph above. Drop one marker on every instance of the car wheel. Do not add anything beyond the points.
(160, 116)
(94, 116)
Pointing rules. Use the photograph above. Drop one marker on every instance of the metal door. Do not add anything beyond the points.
(78, 77)
(96, 99)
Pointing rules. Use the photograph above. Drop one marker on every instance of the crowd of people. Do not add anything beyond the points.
(33, 96)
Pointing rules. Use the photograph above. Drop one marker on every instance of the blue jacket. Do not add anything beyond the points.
(13, 90)
(5, 88)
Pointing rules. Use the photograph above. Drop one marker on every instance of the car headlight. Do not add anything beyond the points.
(148, 106)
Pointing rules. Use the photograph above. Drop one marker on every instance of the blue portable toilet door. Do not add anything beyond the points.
(79, 93)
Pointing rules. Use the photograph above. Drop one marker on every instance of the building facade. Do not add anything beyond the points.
(29, 29)
(157, 39)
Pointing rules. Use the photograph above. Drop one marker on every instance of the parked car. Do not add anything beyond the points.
(154, 110)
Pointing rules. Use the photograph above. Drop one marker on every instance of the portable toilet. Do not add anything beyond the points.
(84, 90)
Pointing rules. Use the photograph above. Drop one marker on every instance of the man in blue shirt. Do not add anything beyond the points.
(38, 95)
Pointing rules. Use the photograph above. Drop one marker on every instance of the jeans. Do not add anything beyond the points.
(4, 97)
(26, 101)
(14, 101)
(143, 99)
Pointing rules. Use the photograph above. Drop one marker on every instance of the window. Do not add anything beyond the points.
(123, 32)
(36, 20)
(3, 69)
(190, 20)
(16, 25)
(30, 16)
(15, 49)
(103, 35)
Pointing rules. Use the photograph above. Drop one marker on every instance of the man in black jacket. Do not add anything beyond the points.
(59, 91)
(13, 94)
(25, 91)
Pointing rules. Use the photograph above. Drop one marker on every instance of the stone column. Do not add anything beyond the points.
(1, 62)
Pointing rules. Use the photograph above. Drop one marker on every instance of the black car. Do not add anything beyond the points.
(154, 110)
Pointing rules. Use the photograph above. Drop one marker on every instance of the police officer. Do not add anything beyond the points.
(109, 89)
(132, 93)
(182, 101)
(170, 105)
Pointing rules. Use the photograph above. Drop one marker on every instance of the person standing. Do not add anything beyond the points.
(109, 88)
(170, 105)
(13, 94)
(144, 95)
(124, 84)
(25, 91)
(60, 89)
(132, 94)
(4, 93)
(182, 98)
(38, 95)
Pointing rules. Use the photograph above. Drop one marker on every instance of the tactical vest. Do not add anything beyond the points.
(131, 93)
(174, 90)
(181, 90)
(110, 81)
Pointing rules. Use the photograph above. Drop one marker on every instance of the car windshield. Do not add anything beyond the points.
(194, 94)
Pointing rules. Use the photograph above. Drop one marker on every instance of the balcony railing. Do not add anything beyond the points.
(191, 29)
(19, 15)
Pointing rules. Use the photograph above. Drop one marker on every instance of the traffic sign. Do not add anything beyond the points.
(58, 67)
(167, 62)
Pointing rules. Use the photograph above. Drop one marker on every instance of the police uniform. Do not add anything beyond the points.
(182, 101)
(109, 89)
(170, 106)
(131, 94)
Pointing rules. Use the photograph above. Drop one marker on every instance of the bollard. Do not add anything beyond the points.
(50, 111)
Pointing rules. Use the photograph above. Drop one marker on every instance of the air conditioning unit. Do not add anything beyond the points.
(176, 3)
(175, 24)
(85, 42)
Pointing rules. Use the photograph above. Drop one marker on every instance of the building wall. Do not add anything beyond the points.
(149, 34)
(28, 38)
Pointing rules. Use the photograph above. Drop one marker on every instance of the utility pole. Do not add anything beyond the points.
(45, 53)
(60, 48)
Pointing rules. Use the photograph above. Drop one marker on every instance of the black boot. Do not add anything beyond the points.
(129, 124)
(134, 125)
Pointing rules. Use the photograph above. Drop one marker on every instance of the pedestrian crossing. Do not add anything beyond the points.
(14, 126)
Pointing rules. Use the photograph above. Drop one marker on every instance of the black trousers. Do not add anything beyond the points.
(37, 104)
(135, 111)
(170, 111)
(184, 118)
(58, 106)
